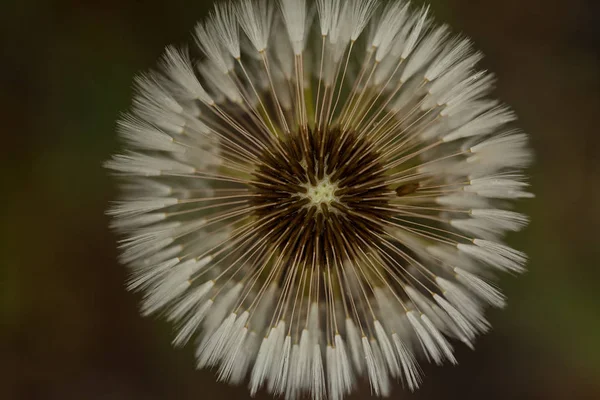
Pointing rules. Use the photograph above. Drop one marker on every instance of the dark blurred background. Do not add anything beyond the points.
(69, 330)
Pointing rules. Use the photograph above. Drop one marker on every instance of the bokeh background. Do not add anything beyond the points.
(69, 330)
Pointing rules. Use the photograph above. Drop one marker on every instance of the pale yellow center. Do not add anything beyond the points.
(322, 192)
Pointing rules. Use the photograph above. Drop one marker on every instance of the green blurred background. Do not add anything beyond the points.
(69, 330)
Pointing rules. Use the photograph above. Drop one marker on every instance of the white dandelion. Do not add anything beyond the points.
(317, 193)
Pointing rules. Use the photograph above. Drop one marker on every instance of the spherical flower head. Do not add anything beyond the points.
(317, 192)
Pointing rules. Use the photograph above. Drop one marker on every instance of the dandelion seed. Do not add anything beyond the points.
(321, 196)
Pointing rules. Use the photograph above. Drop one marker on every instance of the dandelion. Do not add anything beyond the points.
(317, 192)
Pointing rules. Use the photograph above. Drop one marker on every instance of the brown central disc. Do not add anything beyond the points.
(322, 196)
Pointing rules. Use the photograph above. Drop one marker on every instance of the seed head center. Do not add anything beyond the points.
(322, 192)
(317, 192)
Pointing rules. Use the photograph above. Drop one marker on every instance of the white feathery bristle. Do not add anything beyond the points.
(151, 91)
(459, 119)
(161, 294)
(501, 219)
(282, 367)
(158, 257)
(385, 385)
(344, 368)
(155, 239)
(293, 389)
(355, 346)
(372, 369)
(472, 87)
(191, 325)
(469, 330)
(317, 388)
(245, 357)
(223, 303)
(483, 124)
(294, 15)
(480, 287)
(209, 43)
(462, 200)
(429, 346)
(451, 327)
(477, 227)
(328, 13)
(256, 18)
(501, 151)
(139, 221)
(415, 34)
(425, 306)
(455, 51)
(359, 13)
(261, 365)
(339, 29)
(142, 135)
(410, 368)
(401, 40)
(495, 254)
(387, 349)
(445, 85)
(232, 344)
(141, 277)
(156, 231)
(225, 24)
(406, 97)
(144, 165)
(490, 223)
(189, 300)
(213, 347)
(393, 20)
(154, 104)
(441, 342)
(221, 82)
(467, 305)
(334, 386)
(278, 356)
(174, 283)
(234, 349)
(499, 187)
(134, 208)
(425, 52)
(142, 249)
(179, 68)
(305, 353)
(143, 187)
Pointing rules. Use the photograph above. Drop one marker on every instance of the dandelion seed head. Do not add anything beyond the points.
(318, 192)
